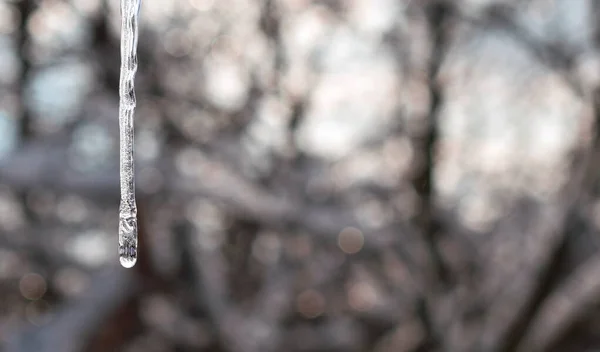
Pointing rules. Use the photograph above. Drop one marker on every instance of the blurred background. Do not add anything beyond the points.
(312, 175)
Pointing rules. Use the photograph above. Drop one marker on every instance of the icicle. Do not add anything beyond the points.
(128, 228)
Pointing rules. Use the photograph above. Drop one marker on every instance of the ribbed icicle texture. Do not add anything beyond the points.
(128, 228)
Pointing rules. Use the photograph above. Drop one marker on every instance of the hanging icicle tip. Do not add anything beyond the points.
(128, 229)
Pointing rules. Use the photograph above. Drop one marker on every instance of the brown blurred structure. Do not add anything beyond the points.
(313, 175)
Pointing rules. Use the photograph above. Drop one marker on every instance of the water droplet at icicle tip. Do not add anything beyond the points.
(128, 229)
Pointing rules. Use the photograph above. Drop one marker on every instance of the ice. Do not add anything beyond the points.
(128, 228)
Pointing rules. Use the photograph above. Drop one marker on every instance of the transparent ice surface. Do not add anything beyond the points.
(128, 228)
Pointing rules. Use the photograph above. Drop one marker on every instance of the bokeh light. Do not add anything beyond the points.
(32, 286)
(351, 240)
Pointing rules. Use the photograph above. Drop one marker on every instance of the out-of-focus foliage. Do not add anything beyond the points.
(326, 175)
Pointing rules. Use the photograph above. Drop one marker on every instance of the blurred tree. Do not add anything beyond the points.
(361, 175)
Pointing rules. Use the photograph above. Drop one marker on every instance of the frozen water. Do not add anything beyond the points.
(128, 229)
